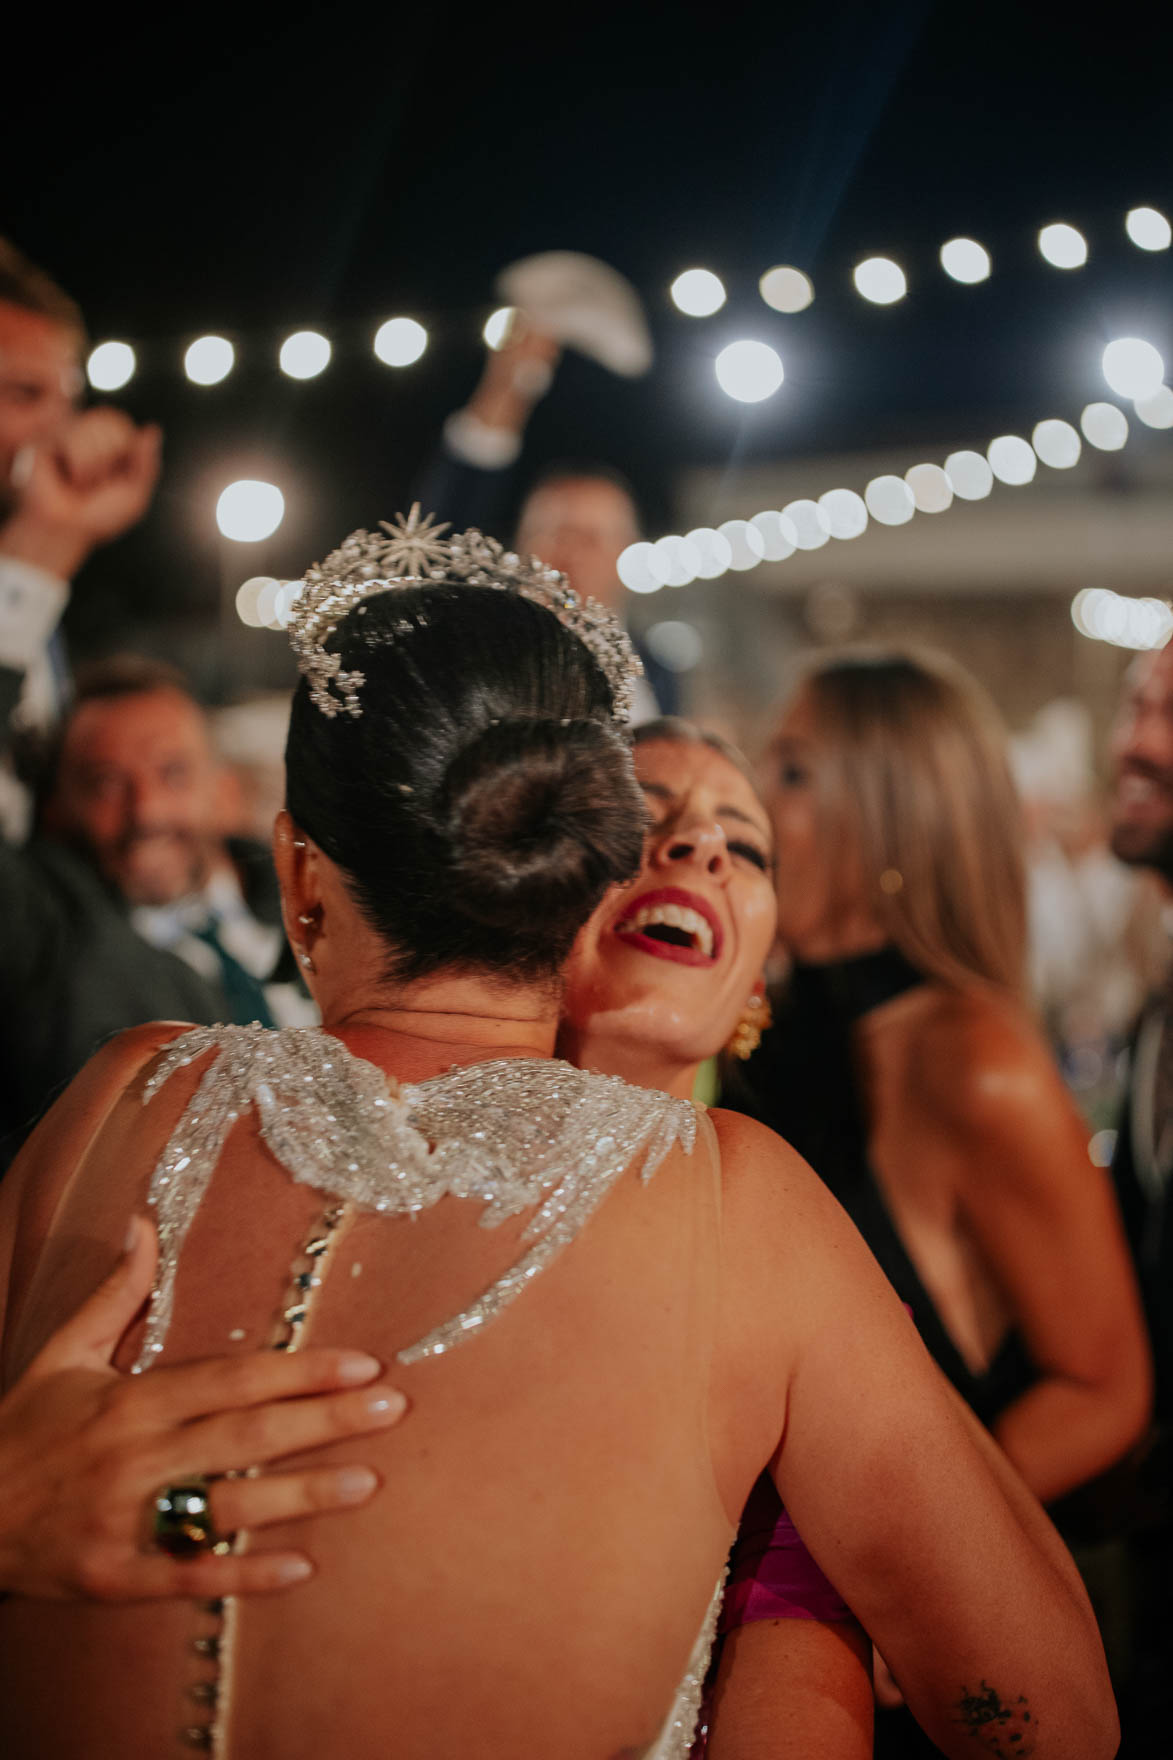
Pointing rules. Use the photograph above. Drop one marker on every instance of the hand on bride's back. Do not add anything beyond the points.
(83, 1450)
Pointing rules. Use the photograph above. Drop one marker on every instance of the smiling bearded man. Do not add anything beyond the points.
(130, 905)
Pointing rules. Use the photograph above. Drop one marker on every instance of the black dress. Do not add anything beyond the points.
(803, 1083)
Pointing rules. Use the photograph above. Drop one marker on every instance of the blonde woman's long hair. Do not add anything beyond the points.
(917, 781)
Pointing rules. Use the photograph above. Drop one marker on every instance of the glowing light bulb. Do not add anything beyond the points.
(880, 280)
(809, 522)
(698, 293)
(675, 645)
(400, 342)
(749, 371)
(248, 511)
(640, 569)
(1012, 459)
(304, 355)
(779, 539)
(1123, 621)
(930, 486)
(248, 599)
(267, 603)
(1156, 411)
(290, 592)
(497, 326)
(1080, 607)
(1102, 1148)
(1133, 367)
(714, 550)
(1057, 444)
(970, 475)
(965, 260)
(1104, 426)
(679, 559)
(844, 513)
(1063, 246)
(889, 500)
(1148, 229)
(110, 366)
(786, 290)
(746, 545)
(209, 359)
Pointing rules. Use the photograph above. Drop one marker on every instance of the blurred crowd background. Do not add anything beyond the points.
(775, 331)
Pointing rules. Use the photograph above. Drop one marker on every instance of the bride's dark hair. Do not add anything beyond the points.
(484, 800)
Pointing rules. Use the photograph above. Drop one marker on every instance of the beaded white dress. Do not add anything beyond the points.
(509, 1135)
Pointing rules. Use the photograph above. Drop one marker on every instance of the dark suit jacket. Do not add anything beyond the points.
(73, 972)
(1148, 1223)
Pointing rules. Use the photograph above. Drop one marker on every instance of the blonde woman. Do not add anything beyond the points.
(905, 1066)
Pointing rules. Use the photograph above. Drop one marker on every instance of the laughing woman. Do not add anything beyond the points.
(662, 977)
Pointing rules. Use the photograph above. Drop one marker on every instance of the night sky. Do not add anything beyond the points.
(300, 169)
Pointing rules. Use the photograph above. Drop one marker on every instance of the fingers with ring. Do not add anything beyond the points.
(182, 1520)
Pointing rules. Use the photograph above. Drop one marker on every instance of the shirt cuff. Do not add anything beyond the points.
(474, 442)
(31, 605)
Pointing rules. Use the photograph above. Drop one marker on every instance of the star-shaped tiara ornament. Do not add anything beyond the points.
(411, 547)
(413, 552)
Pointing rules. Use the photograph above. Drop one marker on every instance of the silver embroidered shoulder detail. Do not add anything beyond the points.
(507, 1134)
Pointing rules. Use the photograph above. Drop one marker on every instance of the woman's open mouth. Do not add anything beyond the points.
(672, 924)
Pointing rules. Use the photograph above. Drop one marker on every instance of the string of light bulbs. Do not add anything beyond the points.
(749, 371)
(701, 293)
(774, 535)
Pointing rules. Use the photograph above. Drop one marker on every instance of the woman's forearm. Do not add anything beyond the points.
(793, 1687)
(1061, 1433)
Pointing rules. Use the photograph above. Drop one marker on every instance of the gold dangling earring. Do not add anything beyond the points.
(747, 1034)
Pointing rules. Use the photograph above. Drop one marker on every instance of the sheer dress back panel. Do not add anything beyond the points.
(533, 1572)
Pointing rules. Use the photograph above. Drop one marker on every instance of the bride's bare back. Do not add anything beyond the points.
(555, 1511)
(534, 1572)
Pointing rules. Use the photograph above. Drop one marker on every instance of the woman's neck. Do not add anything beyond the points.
(643, 1063)
(426, 1028)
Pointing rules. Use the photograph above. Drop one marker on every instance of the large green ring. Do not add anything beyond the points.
(183, 1525)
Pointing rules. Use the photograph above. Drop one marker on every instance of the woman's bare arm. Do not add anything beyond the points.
(1045, 1221)
(949, 1565)
(793, 1689)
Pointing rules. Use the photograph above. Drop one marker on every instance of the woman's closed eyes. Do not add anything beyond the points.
(752, 853)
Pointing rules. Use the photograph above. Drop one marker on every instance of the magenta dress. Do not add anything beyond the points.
(771, 1576)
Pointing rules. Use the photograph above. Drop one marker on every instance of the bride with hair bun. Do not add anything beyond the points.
(609, 1309)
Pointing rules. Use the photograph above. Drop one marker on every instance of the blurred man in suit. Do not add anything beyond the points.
(1142, 835)
(129, 904)
(1142, 1167)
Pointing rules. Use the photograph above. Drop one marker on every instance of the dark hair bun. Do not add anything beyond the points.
(536, 820)
(483, 800)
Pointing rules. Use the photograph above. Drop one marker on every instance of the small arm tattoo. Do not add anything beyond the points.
(1005, 1728)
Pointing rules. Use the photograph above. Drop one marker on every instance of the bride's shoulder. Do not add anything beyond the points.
(751, 1150)
(110, 1072)
(72, 1123)
(771, 1197)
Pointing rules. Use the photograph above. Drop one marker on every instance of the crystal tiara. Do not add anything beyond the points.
(413, 552)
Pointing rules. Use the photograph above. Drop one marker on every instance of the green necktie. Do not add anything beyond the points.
(243, 993)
